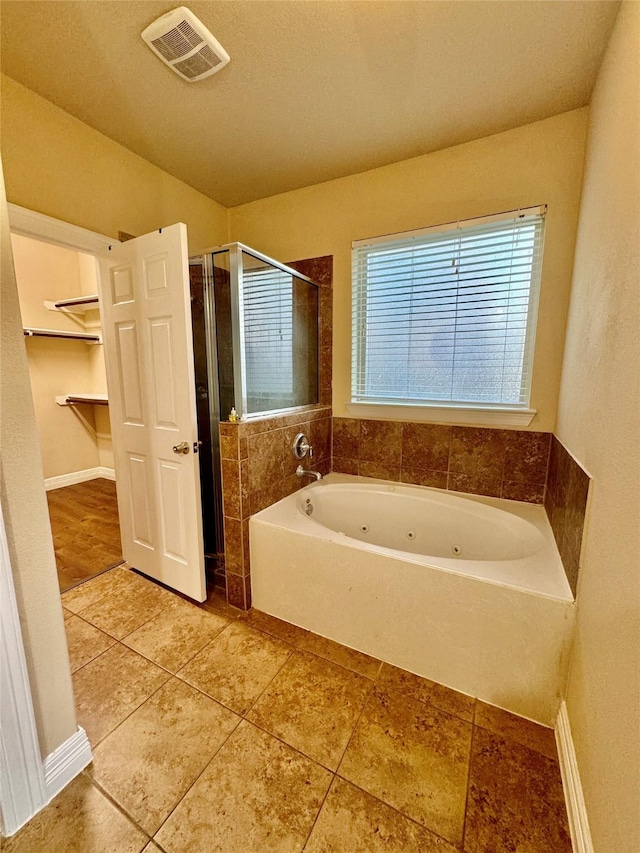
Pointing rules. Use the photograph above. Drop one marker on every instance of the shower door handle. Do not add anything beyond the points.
(183, 447)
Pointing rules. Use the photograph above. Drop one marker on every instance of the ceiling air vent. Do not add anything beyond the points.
(184, 44)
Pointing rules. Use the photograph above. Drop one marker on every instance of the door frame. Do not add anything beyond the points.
(29, 781)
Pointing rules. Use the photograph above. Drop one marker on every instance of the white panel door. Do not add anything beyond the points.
(146, 317)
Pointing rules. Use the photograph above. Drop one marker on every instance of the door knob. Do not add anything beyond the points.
(183, 447)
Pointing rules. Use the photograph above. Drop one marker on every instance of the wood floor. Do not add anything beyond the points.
(86, 530)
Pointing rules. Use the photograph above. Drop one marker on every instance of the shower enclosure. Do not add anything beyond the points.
(255, 341)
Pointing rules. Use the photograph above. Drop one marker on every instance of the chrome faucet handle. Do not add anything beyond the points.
(301, 446)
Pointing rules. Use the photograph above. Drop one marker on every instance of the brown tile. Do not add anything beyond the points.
(151, 760)
(263, 498)
(414, 758)
(312, 705)
(478, 452)
(128, 606)
(236, 666)
(516, 800)
(85, 642)
(444, 698)
(512, 727)
(320, 439)
(379, 471)
(474, 485)
(326, 395)
(246, 547)
(526, 456)
(217, 603)
(229, 429)
(570, 562)
(266, 459)
(243, 447)
(79, 820)
(351, 820)
(176, 635)
(345, 466)
(319, 269)
(229, 447)
(426, 446)
(233, 550)
(346, 437)
(245, 489)
(276, 627)
(577, 493)
(418, 477)
(381, 442)
(513, 491)
(342, 655)
(94, 590)
(236, 590)
(326, 365)
(256, 794)
(326, 316)
(110, 687)
(231, 488)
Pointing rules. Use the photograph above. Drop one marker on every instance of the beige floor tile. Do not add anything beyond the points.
(68, 614)
(111, 686)
(85, 642)
(336, 653)
(353, 821)
(92, 591)
(256, 795)
(444, 698)
(236, 666)
(516, 801)
(217, 603)
(173, 637)
(313, 705)
(413, 757)
(150, 761)
(130, 604)
(79, 820)
(516, 728)
(274, 626)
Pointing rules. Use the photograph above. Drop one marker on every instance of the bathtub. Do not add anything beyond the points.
(464, 590)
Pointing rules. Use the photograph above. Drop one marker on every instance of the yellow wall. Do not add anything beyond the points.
(59, 166)
(24, 508)
(599, 422)
(537, 164)
(68, 437)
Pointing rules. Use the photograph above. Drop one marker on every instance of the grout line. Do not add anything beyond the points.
(365, 702)
(117, 805)
(315, 820)
(466, 802)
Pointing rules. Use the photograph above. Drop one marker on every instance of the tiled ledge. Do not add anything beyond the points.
(510, 464)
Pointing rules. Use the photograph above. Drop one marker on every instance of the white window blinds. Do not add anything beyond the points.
(268, 338)
(446, 316)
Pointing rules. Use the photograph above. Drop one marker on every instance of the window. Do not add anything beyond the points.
(446, 316)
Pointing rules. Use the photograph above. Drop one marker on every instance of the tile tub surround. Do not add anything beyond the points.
(499, 463)
(566, 505)
(258, 469)
(335, 752)
(262, 473)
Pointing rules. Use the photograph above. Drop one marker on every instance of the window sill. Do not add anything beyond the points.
(475, 415)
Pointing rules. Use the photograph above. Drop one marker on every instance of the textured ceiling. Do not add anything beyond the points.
(316, 89)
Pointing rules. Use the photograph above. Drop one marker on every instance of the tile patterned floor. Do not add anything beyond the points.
(214, 730)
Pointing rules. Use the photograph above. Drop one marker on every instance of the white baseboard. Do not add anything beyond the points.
(63, 764)
(574, 798)
(79, 477)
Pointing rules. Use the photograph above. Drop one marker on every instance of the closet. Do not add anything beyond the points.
(60, 313)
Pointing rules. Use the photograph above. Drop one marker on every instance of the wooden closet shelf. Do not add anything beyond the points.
(75, 399)
(57, 333)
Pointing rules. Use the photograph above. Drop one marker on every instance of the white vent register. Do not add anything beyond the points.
(183, 43)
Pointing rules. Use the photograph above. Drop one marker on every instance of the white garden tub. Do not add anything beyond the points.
(467, 591)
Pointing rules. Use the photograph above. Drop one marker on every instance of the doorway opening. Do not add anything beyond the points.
(58, 290)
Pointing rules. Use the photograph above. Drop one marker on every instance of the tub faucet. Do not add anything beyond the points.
(315, 475)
